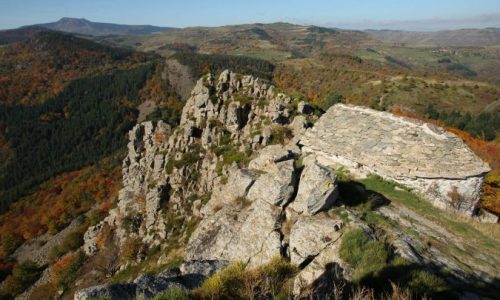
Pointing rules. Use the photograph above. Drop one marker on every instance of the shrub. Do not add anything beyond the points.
(10, 242)
(23, 275)
(368, 257)
(71, 242)
(424, 283)
(131, 249)
(44, 291)
(234, 282)
(224, 284)
(281, 134)
(330, 100)
(65, 271)
(172, 294)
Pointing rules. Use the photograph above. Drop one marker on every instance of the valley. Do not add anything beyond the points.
(205, 162)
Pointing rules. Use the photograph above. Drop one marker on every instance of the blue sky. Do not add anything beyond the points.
(355, 14)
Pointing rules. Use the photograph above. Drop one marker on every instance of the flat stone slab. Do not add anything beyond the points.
(393, 146)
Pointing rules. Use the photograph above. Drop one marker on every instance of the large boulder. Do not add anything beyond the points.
(318, 188)
(203, 267)
(322, 271)
(249, 234)
(310, 235)
(276, 187)
(237, 187)
(268, 158)
(435, 163)
(107, 291)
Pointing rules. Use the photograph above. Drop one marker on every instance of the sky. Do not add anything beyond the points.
(423, 15)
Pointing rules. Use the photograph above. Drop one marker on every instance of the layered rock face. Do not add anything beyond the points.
(436, 164)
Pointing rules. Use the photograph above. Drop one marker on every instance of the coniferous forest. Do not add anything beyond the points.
(75, 128)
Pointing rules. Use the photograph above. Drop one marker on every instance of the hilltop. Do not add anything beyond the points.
(86, 27)
(457, 38)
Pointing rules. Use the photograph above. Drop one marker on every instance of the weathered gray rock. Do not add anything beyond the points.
(203, 267)
(90, 239)
(298, 125)
(304, 108)
(318, 189)
(276, 187)
(435, 163)
(249, 235)
(237, 187)
(258, 239)
(111, 291)
(269, 156)
(327, 265)
(147, 286)
(310, 235)
(487, 217)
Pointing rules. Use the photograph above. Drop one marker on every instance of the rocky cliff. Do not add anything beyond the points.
(168, 172)
(244, 178)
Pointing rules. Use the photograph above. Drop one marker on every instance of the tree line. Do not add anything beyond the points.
(201, 64)
(485, 125)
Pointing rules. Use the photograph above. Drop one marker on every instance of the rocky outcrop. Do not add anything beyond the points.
(254, 199)
(246, 229)
(318, 188)
(309, 236)
(435, 163)
(167, 172)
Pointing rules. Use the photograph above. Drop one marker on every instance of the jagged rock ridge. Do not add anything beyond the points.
(171, 170)
(254, 209)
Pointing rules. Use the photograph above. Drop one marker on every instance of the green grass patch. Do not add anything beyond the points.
(376, 266)
(173, 294)
(424, 208)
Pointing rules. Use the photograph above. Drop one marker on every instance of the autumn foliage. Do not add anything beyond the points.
(57, 202)
(65, 271)
(34, 70)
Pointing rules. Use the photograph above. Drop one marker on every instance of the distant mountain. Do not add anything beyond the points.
(83, 26)
(461, 37)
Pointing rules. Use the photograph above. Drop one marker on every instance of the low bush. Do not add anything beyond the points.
(71, 242)
(330, 100)
(131, 249)
(234, 282)
(375, 266)
(281, 134)
(173, 294)
(65, 271)
(368, 257)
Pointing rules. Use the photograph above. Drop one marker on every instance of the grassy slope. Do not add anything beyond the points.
(467, 243)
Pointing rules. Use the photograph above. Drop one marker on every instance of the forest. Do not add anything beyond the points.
(79, 126)
(484, 126)
(201, 64)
